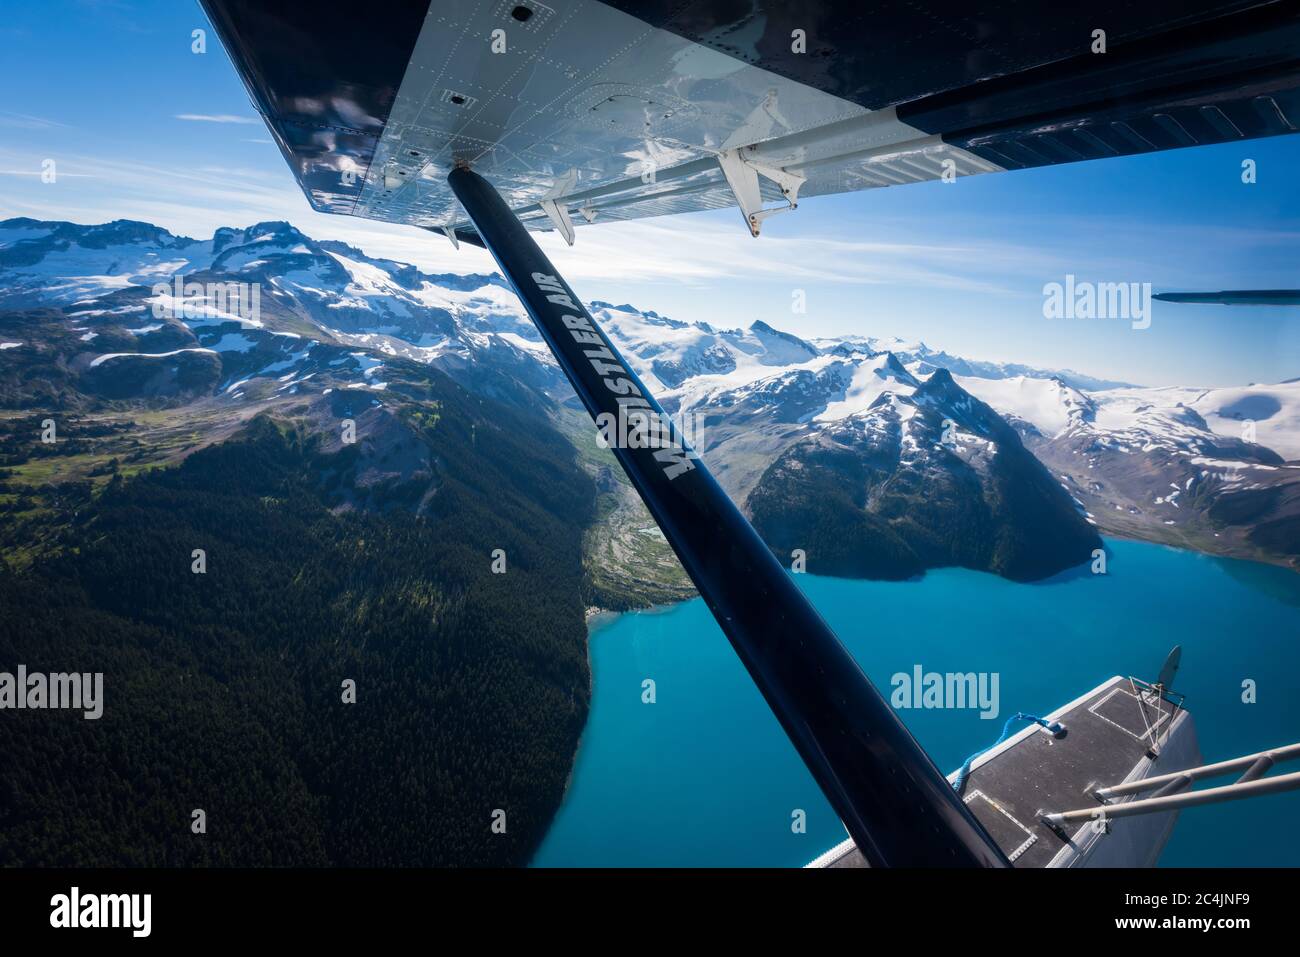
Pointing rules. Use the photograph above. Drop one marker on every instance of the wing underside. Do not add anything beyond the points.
(581, 111)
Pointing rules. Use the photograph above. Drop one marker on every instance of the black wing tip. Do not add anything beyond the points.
(1236, 297)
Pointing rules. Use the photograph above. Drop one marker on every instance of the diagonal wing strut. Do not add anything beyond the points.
(898, 808)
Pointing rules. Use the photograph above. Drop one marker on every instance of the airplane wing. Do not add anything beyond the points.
(581, 111)
(1237, 297)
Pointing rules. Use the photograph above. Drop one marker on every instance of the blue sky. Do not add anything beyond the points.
(101, 86)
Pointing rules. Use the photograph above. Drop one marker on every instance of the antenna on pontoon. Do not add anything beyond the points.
(1155, 696)
(1170, 668)
(1170, 792)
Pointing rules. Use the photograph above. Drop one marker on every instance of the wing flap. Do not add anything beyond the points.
(621, 110)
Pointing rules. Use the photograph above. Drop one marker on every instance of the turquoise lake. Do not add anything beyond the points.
(705, 776)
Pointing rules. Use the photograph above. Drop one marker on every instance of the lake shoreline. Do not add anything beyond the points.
(707, 777)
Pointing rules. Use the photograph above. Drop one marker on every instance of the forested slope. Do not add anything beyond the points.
(223, 690)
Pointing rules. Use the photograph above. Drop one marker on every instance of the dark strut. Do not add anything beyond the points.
(898, 808)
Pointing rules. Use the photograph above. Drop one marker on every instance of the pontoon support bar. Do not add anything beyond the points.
(898, 808)
(1172, 802)
(1290, 752)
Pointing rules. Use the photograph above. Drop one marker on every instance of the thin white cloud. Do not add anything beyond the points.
(23, 121)
(703, 248)
(29, 172)
(235, 172)
(215, 118)
(694, 250)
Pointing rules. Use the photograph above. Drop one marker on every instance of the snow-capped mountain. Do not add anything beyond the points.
(922, 360)
(135, 295)
(1047, 405)
(925, 475)
(1191, 467)
(127, 312)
